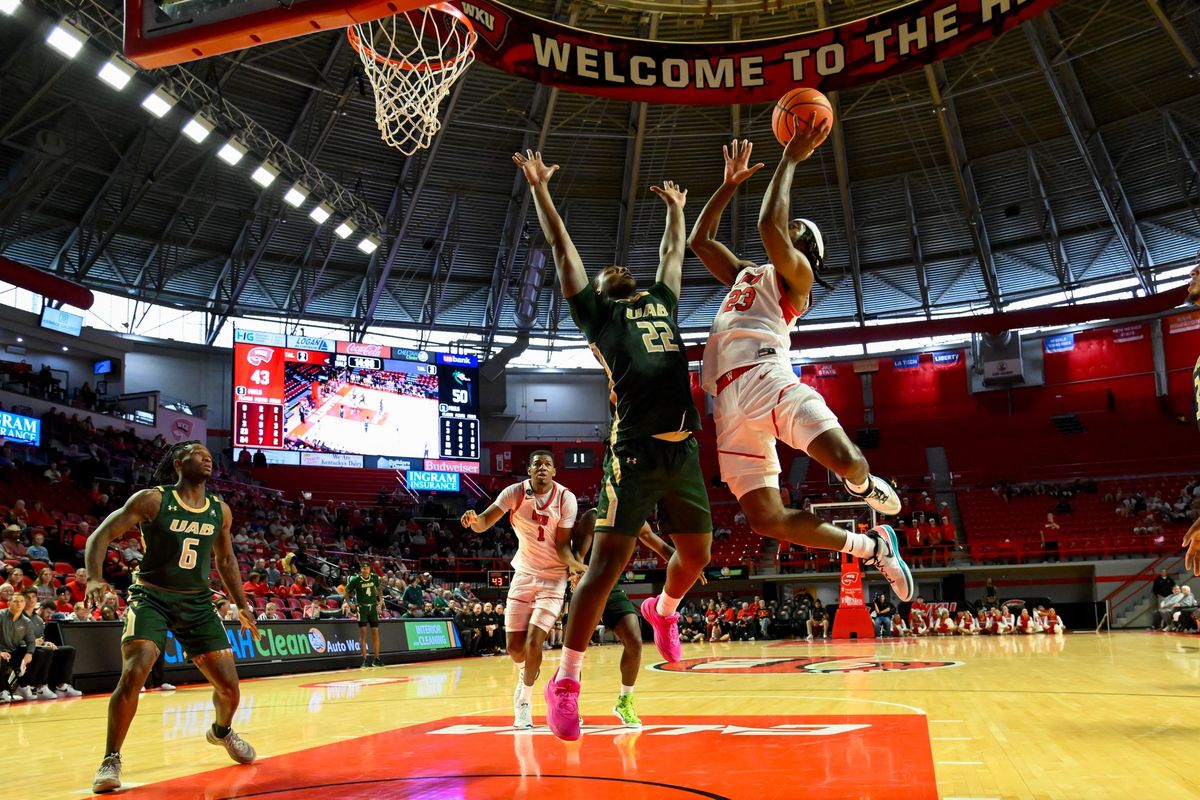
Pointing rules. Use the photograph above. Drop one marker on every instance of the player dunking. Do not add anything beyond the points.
(652, 457)
(759, 399)
(364, 592)
(543, 514)
(182, 524)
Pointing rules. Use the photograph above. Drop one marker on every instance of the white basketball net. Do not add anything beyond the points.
(412, 60)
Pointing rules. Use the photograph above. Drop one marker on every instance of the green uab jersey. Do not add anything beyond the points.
(638, 344)
(365, 593)
(178, 542)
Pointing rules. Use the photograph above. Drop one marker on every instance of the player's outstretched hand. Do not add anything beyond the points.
(249, 623)
(671, 193)
(95, 591)
(467, 520)
(536, 171)
(807, 139)
(737, 160)
(1191, 559)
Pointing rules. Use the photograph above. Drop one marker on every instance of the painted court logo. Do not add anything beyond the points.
(813, 665)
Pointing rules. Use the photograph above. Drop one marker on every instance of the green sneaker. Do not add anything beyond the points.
(624, 711)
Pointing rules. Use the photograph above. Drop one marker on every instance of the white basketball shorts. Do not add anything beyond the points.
(533, 601)
(764, 405)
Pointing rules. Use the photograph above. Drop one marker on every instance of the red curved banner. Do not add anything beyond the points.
(907, 37)
(46, 284)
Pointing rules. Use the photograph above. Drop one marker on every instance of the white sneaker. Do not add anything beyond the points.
(46, 693)
(237, 747)
(67, 690)
(25, 692)
(5, 697)
(523, 720)
(889, 563)
(879, 495)
(16, 697)
(167, 687)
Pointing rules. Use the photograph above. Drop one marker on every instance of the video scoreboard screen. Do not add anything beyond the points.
(310, 395)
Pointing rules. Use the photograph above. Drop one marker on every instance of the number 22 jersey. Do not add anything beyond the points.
(753, 325)
(637, 342)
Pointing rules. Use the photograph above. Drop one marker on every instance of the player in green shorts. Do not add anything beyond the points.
(363, 591)
(619, 615)
(652, 459)
(184, 526)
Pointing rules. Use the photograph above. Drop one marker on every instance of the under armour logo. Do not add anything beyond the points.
(172, 508)
(630, 460)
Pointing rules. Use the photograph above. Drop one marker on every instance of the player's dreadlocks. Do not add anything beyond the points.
(165, 472)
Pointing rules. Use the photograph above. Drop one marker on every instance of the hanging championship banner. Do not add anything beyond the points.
(907, 37)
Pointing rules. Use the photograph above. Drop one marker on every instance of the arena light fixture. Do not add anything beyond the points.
(265, 174)
(198, 128)
(320, 213)
(10, 6)
(344, 230)
(159, 102)
(369, 245)
(116, 72)
(296, 194)
(66, 38)
(231, 152)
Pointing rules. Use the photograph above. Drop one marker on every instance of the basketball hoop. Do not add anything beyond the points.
(412, 59)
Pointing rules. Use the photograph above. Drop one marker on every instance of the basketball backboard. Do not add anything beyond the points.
(163, 32)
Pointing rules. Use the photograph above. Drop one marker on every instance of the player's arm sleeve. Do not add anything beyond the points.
(590, 311)
(570, 510)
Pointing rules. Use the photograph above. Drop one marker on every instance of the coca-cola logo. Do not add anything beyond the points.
(356, 349)
(257, 356)
(849, 578)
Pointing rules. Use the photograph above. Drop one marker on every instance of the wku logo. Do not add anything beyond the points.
(817, 665)
(849, 578)
(807, 729)
(259, 356)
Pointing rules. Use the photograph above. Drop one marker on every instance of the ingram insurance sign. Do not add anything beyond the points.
(17, 428)
(423, 481)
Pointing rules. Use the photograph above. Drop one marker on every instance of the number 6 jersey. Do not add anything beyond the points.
(753, 325)
(178, 543)
(536, 518)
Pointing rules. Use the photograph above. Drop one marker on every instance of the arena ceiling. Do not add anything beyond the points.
(1057, 157)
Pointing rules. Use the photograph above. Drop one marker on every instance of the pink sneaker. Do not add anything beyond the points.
(666, 630)
(562, 707)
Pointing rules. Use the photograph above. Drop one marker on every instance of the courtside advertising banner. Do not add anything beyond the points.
(904, 38)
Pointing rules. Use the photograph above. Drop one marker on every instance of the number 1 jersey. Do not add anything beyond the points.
(753, 325)
(536, 518)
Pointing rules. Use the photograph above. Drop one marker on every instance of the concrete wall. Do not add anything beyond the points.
(552, 406)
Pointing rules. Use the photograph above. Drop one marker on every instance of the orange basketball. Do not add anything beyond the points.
(797, 108)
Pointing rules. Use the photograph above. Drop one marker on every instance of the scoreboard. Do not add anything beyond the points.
(300, 393)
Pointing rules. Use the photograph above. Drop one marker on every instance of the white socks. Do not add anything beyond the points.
(571, 665)
(859, 545)
(526, 694)
(666, 604)
(626, 690)
(859, 487)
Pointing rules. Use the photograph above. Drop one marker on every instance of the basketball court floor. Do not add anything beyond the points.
(1082, 716)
